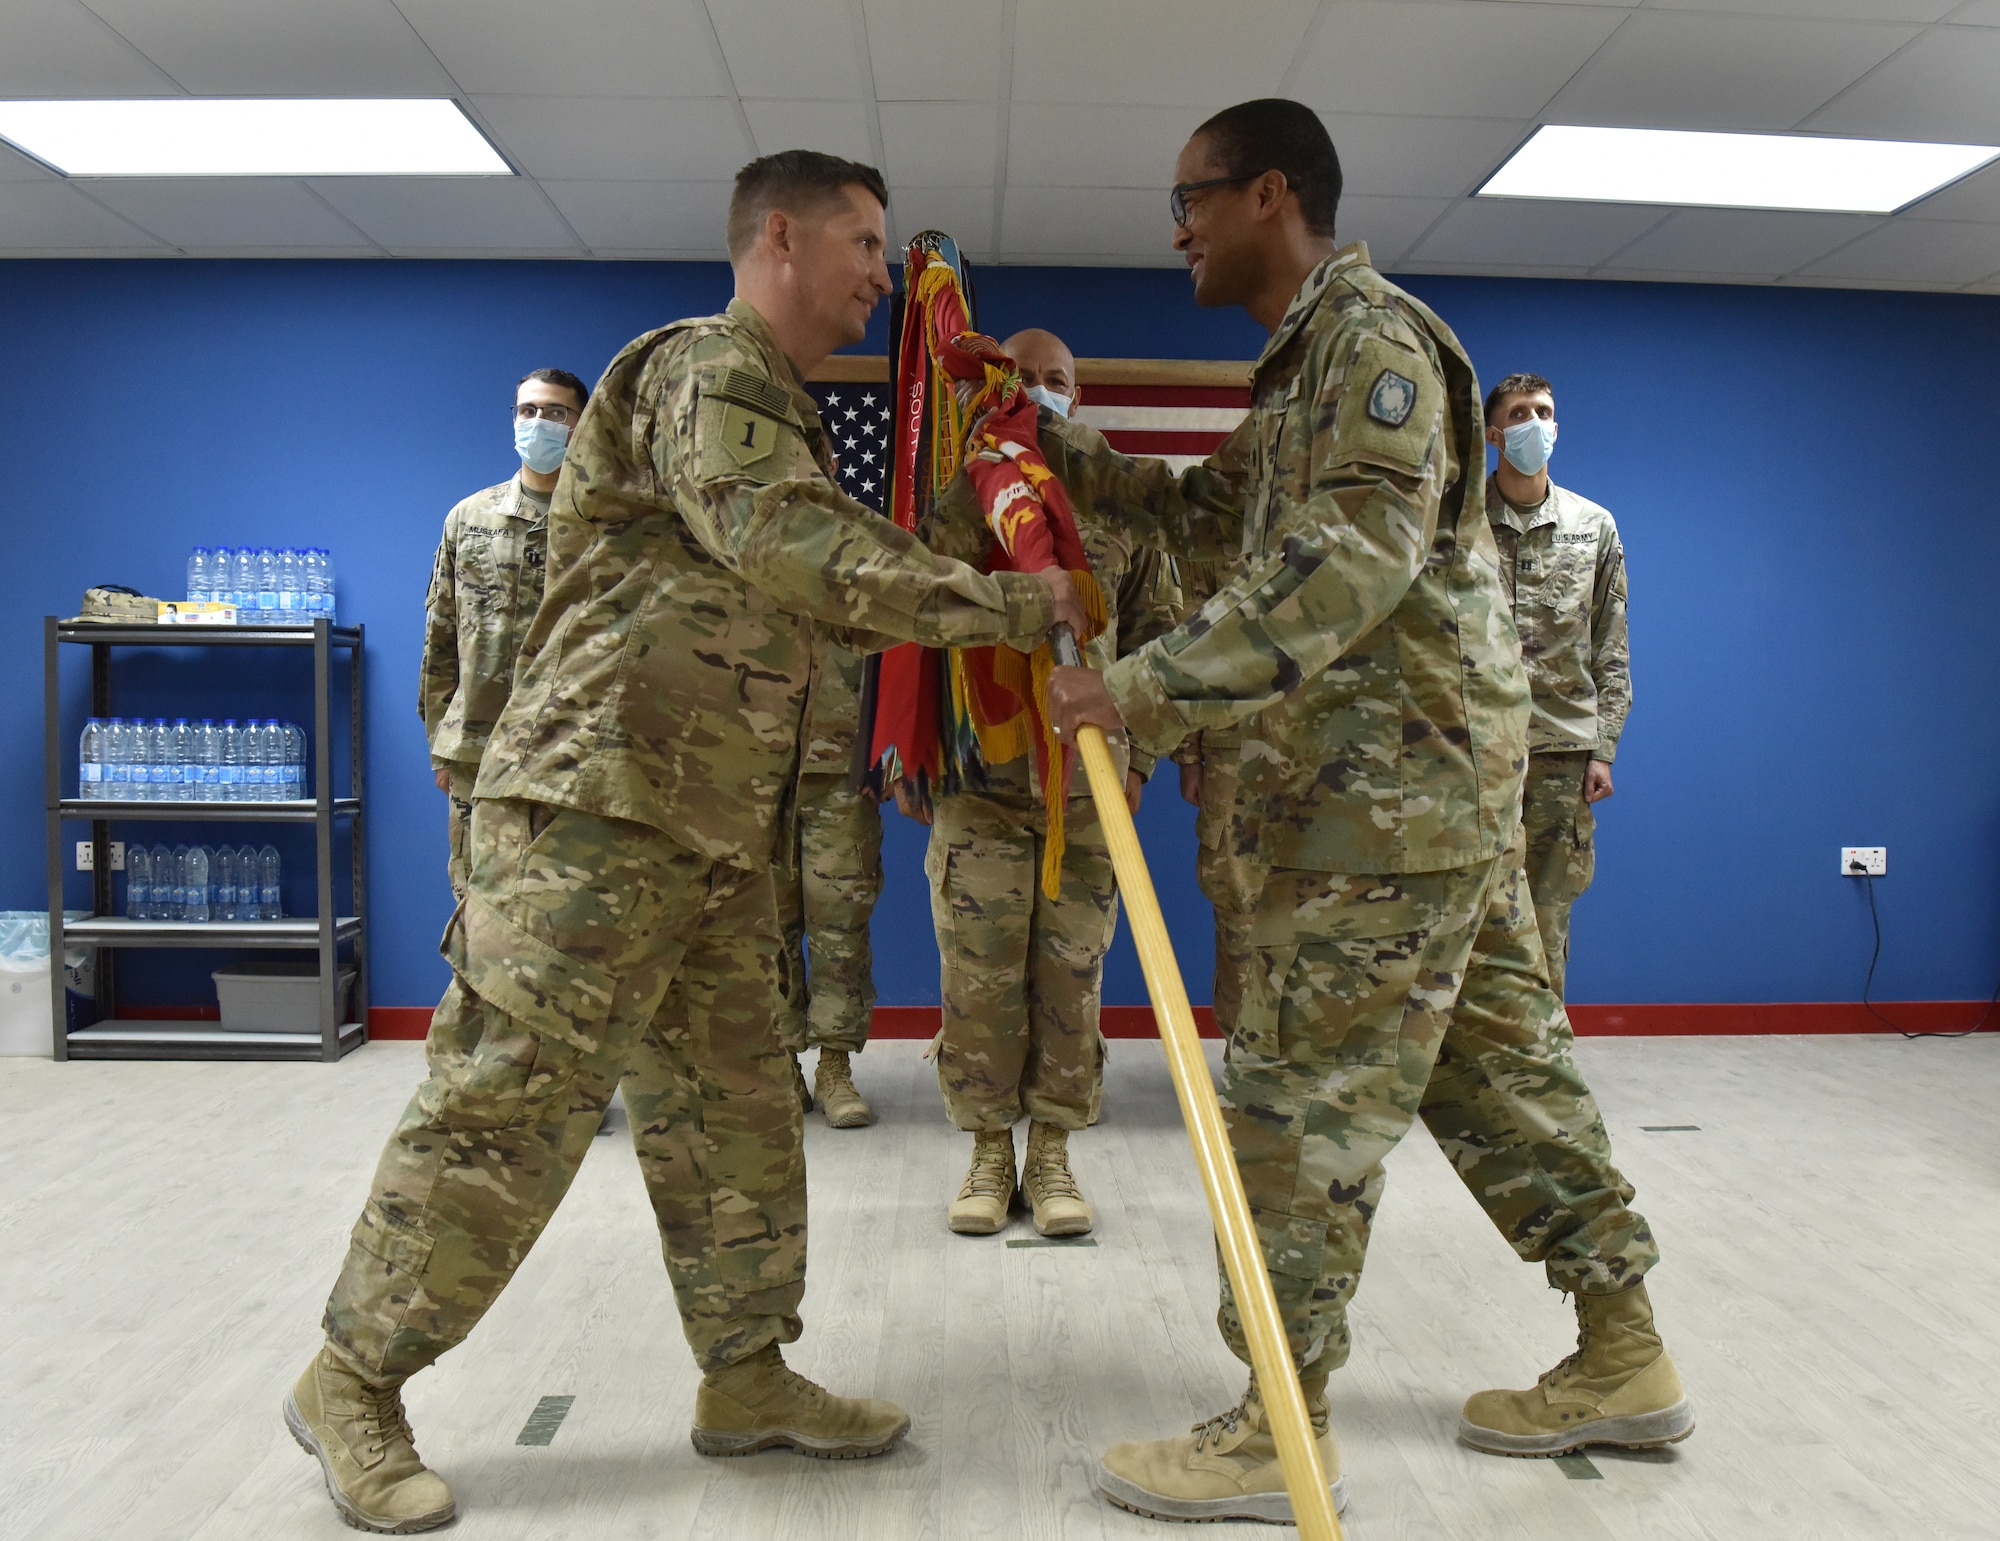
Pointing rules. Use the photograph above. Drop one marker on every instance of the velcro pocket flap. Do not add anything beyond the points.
(393, 1240)
(552, 993)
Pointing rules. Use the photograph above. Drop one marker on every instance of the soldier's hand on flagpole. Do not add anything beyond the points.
(1191, 782)
(1069, 608)
(909, 805)
(1135, 788)
(1077, 696)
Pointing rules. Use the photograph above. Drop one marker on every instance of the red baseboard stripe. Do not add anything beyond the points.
(1645, 1021)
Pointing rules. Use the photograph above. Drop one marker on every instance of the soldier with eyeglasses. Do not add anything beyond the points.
(485, 585)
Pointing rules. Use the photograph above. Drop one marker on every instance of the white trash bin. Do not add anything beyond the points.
(24, 984)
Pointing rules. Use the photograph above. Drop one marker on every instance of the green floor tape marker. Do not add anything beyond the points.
(540, 1429)
(1052, 1241)
(1578, 1468)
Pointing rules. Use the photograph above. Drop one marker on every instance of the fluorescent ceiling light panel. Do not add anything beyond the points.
(1730, 171)
(180, 136)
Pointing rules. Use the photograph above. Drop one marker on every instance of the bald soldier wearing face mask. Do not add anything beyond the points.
(1023, 973)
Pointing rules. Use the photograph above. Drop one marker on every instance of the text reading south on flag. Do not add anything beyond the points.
(932, 719)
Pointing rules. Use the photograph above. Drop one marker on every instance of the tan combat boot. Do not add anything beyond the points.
(833, 1090)
(1059, 1205)
(357, 1432)
(981, 1206)
(1224, 1469)
(760, 1402)
(1618, 1388)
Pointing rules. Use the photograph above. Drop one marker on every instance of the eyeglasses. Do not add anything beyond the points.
(525, 410)
(1177, 199)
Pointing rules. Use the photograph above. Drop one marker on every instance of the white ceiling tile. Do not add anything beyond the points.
(1190, 51)
(1739, 241)
(431, 214)
(1390, 226)
(57, 48)
(1533, 233)
(1917, 11)
(1978, 13)
(1097, 146)
(781, 48)
(219, 212)
(692, 139)
(16, 167)
(1918, 251)
(580, 48)
(963, 213)
(647, 216)
(935, 50)
(1975, 197)
(1676, 70)
(1479, 59)
(54, 215)
(280, 47)
(1942, 87)
(934, 144)
(1099, 221)
(1420, 157)
(835, 128)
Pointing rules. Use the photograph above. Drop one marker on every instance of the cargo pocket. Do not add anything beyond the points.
(1260, 1013)
(541, 1013)
(1295, 1252)
(386, 1258)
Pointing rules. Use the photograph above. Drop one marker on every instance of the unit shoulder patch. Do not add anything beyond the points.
(755, 419)
(1392, 398)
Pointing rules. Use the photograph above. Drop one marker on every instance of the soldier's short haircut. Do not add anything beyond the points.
(1516, 385)
(557, 377)
(1275, 134)
(797, 181)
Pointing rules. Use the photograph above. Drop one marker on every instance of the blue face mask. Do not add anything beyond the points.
(1528, 445)
(1055, 401)
(540, 443)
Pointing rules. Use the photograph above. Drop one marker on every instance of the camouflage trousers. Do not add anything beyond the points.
(1373, 1001)
(1229, 881)
(458, 821)
(1022, 973)
(1562, 850)
(830, 896)
(590, 949)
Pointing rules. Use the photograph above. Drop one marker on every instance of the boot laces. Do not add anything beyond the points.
(383, 1417)
(1215, 1429)
(1051, 1174)
(992, 1171)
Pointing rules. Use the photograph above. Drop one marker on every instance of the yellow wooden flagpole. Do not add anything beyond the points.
(1242, 1253)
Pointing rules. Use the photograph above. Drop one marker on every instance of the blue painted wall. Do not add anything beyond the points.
(1803, 479)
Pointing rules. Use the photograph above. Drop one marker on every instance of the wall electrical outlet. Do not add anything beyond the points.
(1864, 860)
(86, 856)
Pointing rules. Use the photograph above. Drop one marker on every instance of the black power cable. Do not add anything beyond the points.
(1875, 919)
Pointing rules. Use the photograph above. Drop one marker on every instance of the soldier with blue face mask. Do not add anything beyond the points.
(485, 584)
(1563, 568)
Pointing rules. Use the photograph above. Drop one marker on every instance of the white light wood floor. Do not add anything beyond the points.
(1832, 1234)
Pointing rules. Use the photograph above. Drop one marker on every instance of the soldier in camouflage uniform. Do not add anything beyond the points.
(485, 584)
(1363, 641)
(1023, 973)
(1563, 567)
(622, 914)
(836, 880)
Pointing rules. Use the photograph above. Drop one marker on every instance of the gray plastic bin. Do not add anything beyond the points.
(276, 997)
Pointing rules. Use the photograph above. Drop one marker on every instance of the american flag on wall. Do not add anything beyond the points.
(1181, 424)
(856, 418)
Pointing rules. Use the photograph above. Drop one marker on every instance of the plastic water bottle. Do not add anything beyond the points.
(90, 759)
(277, 777)
(313, 560)
(267, 586)
(200, 908)
(117, 760)
(291, 586)
(198, 572)
(270, 903)
(138, 883)
(176, 884)
(140, 776)
(207, 762)
(327, 607)
(246, 883)
(243, 584)
(160, 894)
(187, 773)
(229, 762)
(160, 773)
(295, 761)
(224, 874)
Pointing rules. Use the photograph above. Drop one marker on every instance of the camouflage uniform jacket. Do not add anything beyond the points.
(833, 708)
(1142, 596)
(1362, 637)
(1564, 569)
(485, 585)
(695, 539)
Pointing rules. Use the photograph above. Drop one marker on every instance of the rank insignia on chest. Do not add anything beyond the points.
(1391, 398)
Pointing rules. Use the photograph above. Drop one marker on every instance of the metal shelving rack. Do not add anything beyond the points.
(108, 932)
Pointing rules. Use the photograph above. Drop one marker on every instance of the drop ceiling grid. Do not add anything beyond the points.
(1038, 130)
